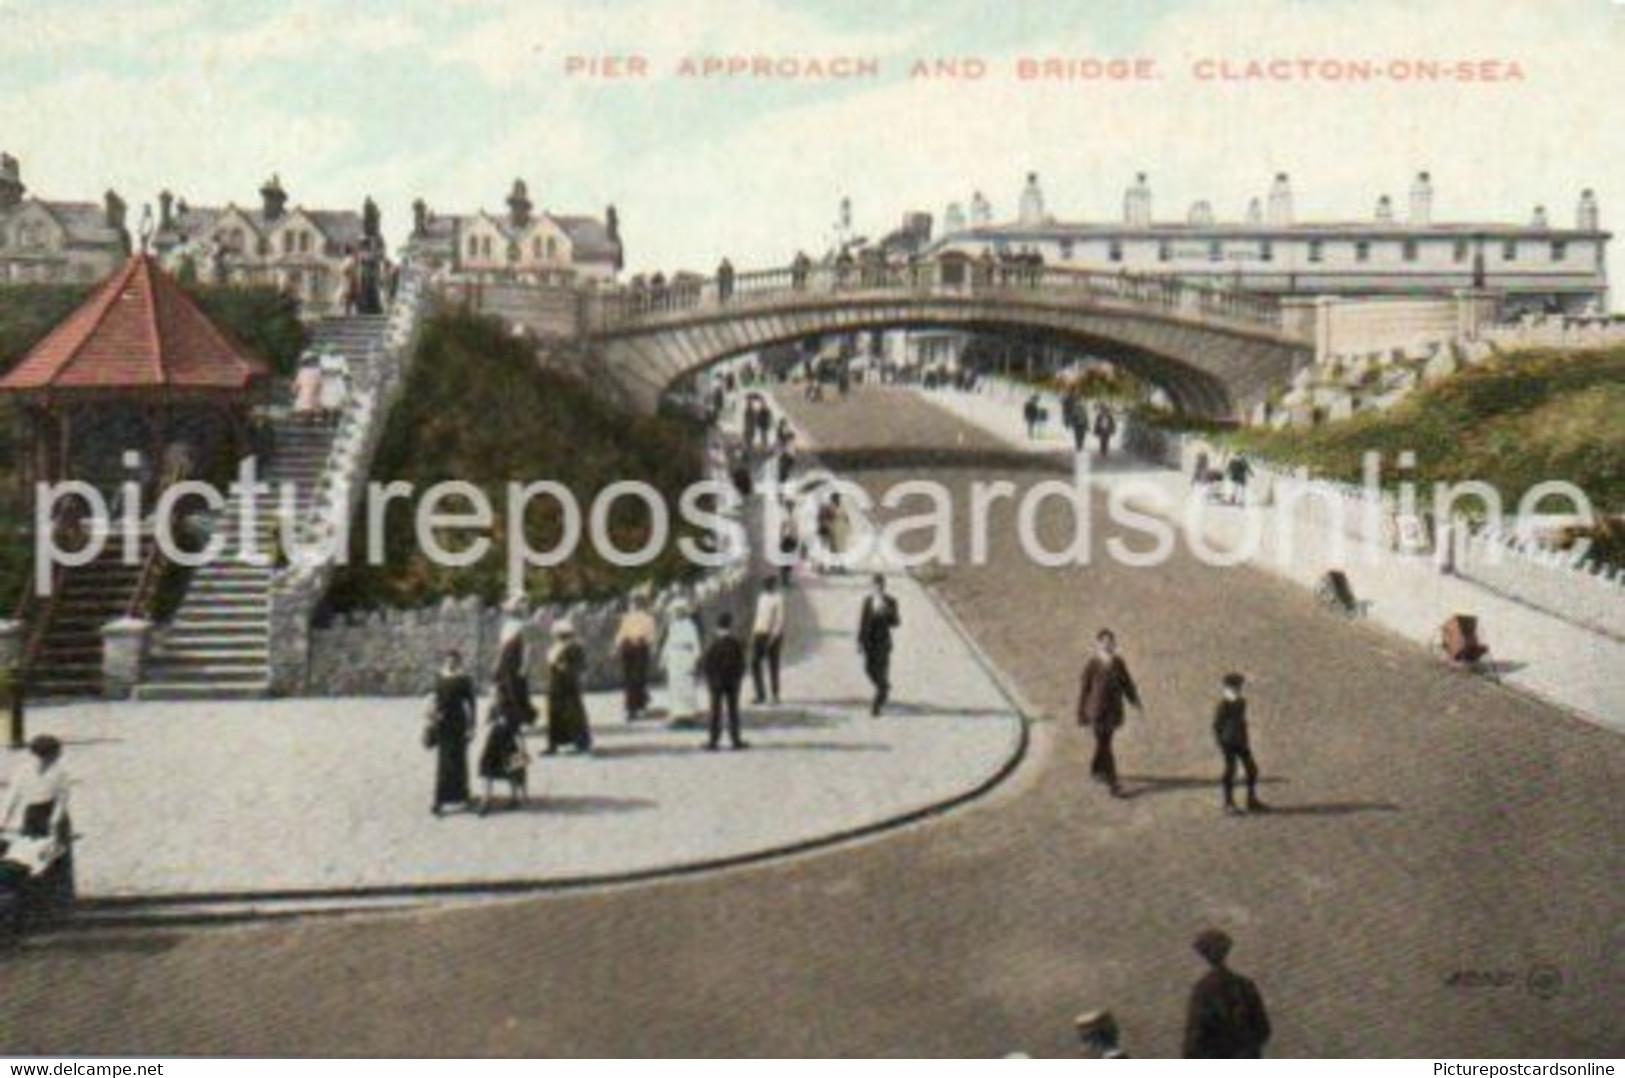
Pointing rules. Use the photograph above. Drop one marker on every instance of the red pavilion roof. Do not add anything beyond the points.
(139, 334)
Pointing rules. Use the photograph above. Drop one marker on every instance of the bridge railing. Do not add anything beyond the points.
(641, 303)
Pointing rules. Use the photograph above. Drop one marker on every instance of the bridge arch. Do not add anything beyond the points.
(1216, 353)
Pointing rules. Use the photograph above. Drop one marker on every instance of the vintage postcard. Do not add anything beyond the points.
(811, 528)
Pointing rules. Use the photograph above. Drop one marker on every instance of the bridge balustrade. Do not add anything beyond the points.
(629, 307)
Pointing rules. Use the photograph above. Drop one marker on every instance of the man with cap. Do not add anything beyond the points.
(1106, 685)
(1226, 1017)
(1230, 731)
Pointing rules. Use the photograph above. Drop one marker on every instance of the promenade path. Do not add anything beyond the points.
(1429, 826)
(1559, 661)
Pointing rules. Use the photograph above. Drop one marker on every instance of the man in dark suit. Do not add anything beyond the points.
(1230, 731)
(724, 667)
(875, 625)
(1105, 428)
(1226, 1018)
(1107, 684)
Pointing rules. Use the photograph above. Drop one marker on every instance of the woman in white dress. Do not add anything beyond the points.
(680, 658)
(307, 388)
(335, 385)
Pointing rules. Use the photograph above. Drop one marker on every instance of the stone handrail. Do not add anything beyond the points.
(641, 304)
(299, 587)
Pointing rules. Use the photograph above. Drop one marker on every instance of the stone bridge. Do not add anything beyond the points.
(1216, 353)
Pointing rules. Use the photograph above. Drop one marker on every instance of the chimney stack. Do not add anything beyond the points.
(1586, 216)
(115, 210)
(1422, 199)
(420, 217)
(11, 182)
(519, 205)
(166, 209)
(1280, 212)
(273, 199)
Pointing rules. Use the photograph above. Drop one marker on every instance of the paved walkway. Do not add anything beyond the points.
(1428, 826)
(1563, 663)
(333, 794)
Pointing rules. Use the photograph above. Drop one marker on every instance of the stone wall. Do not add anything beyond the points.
(397, 652)
(1589, 595)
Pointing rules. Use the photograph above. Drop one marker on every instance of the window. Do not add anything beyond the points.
(1460, 252)
(485, 246)
(1362, 250)
(1114, 250)
(536, 247)
(473, 247)
(1410, 250)
(1266, 251)
(552, 249)
(1066, 250)
(1317, 251)
(1215, 251)
(1509, 251)
(304, 243)
(289, 242)
(1165, 251)
(1560, 250)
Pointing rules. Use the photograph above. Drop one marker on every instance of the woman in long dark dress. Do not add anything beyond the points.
(566, 711)
(512, 686)
(454, 722)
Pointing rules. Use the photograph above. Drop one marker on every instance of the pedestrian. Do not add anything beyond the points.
(1238, 471)
(680, 658)
(789, 543)
(1076, 424)
(764, 425)
(834, 527)
(451, 728)
(504, 759)
(634, 642)
(877, 621)
(724, 665)
(767, 639)
(510, 680)
(1105, 428)
(786, 465)
(1226, 1018)
(1031, 412)
(567, 722)
(1230, 731)
(36, 871)
(1199, 470)
(1107, 684)
(36, 804)
(307, 389)
(1099, 1035)
(335, 391)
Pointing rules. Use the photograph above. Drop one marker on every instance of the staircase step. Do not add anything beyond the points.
(224, 689)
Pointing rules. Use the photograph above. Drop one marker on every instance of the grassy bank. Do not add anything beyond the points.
(1514, 422)
(476, 408)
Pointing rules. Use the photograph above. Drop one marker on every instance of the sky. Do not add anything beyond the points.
(450, 100)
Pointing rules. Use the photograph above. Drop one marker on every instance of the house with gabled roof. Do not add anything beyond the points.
(310, 254)
(523, 246)
(49, 242)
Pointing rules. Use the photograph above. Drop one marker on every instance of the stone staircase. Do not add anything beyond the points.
(217, 646)
(69, 662)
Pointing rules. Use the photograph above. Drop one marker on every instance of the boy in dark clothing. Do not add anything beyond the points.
(1230, 731)
(724, 666)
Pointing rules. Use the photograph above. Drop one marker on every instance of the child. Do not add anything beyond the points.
(504, 757)
(1230, 730)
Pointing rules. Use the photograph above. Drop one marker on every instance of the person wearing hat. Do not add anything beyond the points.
(634, 642)
(1230, 731)
(453, 716)
(1099, 1035)
(566, 710)
(1107, 684)
(724, 666)
(510, 680)
(1226, 1018)
(680, 658)
(36, 803)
